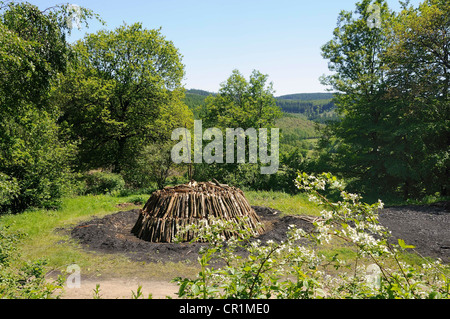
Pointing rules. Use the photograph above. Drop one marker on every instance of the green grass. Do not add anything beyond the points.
(41, 222)
(47, 236)
(298, 204)
(296, 125)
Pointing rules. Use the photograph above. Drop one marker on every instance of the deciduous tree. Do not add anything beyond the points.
(34, 160)
(391, 80)
(123, 92)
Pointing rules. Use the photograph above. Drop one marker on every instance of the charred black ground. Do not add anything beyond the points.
(427, 227)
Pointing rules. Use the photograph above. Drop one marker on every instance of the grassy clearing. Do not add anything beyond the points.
(46, 236)
(47, 233)
(298, 204)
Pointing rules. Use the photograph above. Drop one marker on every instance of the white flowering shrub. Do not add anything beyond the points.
(245, 267)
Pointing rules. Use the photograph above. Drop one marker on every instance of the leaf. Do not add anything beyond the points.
(403, 245)
(434, 295)
(195, 289)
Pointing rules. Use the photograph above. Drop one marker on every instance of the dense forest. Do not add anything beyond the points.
(315, 110)
(97, 115)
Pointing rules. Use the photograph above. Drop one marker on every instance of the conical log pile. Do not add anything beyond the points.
(177, 207)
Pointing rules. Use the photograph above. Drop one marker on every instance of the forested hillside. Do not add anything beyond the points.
(317, 107)
(306, 96)
(315, 110)
(297, 126)
(195, 99)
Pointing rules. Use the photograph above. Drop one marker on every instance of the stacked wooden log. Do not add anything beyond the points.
(173, 208)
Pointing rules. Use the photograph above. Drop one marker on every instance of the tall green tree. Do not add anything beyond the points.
(355, 57)
(418, 72)
(123, 92)
(34, 159)
(33, 50)
(391, 79)
(240, 103)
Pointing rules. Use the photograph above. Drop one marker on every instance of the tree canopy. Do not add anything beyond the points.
(34, 159)
(122, 92)
(242, 103)
(392, 84)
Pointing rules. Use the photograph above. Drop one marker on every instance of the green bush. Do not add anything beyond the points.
(35, 168)
(23, 282)
(9, 189)
(103, 182)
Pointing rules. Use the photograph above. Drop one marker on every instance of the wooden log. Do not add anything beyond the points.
(169, 207)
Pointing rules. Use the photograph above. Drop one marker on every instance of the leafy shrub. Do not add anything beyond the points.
(28, 281)
(152, 165)
(34, 162)
(9, 189)
(289, 269)
(103, 182)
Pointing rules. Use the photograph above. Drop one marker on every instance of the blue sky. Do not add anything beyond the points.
(281, 38)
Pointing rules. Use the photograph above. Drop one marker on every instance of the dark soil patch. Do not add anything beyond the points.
(112, 234)
(426, 227)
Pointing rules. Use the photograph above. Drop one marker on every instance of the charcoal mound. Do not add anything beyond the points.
(171, 208)
(112, 234)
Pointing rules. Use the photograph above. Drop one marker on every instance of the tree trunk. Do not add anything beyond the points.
(119, 155)
(406, 187)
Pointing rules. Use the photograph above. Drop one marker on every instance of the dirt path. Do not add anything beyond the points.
(121, 288)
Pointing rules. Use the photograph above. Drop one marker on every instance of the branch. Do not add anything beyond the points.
(260, 269)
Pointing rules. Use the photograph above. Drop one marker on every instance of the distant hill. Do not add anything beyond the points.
(306, 96)
(195, 99)
(199, 92)
(296, 126)
(297, 132)
(316, 107)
